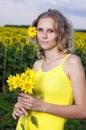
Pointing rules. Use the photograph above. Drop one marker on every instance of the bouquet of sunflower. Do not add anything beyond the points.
(24, 82)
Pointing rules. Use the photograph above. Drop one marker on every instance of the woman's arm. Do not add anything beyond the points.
(78, 81)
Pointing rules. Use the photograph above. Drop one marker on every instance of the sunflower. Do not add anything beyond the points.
(32, 31)
(24, 82)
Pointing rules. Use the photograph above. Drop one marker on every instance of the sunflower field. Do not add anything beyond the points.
(80, 46)
(16, 54)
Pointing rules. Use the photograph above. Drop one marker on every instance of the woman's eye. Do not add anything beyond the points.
(51, 30)
(47, 31)
(40, 29)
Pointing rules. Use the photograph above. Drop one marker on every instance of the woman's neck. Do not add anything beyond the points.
(51, 56)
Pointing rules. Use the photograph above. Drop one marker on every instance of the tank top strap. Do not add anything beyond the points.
(65, 59)
(41, 63)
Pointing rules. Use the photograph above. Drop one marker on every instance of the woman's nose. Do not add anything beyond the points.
(44, 35)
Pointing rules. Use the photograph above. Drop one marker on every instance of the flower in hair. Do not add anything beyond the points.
(32, 31)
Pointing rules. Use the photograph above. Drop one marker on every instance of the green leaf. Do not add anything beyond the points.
(34, 121)
(22, 127)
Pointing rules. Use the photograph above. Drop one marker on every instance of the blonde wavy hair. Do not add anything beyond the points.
(63, 28)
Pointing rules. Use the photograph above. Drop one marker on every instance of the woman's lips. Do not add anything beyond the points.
(44, 42)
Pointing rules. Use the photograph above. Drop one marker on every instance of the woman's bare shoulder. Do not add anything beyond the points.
(74, 59)
(74, 64)
(37, 64)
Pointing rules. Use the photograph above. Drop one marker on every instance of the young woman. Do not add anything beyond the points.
(61, 78)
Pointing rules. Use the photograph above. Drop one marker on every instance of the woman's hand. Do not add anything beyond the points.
(30, 103)
(19, 110)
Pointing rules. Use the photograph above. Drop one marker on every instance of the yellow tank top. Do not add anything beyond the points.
(54, 87)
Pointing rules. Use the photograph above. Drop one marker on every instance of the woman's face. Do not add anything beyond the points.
(46, 34)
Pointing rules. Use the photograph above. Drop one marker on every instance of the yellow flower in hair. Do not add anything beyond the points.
(32, 31)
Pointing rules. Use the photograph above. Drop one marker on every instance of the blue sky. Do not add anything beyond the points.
(23, 12)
